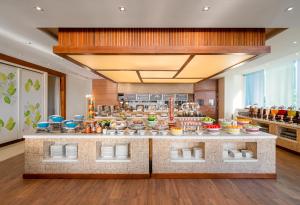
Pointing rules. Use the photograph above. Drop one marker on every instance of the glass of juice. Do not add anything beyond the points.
(274, 112)
(291, 115)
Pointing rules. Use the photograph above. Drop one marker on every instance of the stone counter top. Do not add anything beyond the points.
(204, 136)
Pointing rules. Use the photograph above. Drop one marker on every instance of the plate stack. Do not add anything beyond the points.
(235, 153)
(174, 154)
(247, 154)
(122, 151)
(186, 153)
(107, 151)
(71, 151)
(56, 151)
(198, 152)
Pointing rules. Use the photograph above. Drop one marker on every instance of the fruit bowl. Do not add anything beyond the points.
(56, 118)
(71, 124)
(43, 125)
(252, 129)
(213, 129)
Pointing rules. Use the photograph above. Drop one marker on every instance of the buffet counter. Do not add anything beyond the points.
(160, 156)
(288, 134)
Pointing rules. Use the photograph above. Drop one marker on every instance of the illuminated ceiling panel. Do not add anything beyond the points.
(171, 80)
(203, 66)
(122, 76)
(157, 74)
(132, 62)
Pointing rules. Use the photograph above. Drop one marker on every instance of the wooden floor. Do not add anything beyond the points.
(284, 191)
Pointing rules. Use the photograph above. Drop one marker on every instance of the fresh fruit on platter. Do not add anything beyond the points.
(212, 126)
(207, 119)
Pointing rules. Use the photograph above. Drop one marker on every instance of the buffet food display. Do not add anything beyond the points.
(151, 125)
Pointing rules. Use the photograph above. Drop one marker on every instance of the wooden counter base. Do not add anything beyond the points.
(154, 176)
(213, 176)
(86, 176)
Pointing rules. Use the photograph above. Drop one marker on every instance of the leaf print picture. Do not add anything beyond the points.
(30, 85)
(8, 88)
(32, 115)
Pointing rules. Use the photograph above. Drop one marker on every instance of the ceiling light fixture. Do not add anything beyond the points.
(289, 8)
(39, 8)
(28, 42)
(295, 42)
(205, 8)
(122, 8)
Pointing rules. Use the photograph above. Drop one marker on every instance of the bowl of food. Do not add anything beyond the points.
(131, 132)
(233, 129)
(213, 129)
(43, 125)
(141, 132)
(111, 132)
(56, 118)
(120, 132)
(225, 123)
(137, 124)
(176, 131)
(243, 121)
(70, 124)
(207, 120)
(78, 117)
(251, 129)
(163, 132)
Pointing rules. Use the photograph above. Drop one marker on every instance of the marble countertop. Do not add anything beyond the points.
(204, 136)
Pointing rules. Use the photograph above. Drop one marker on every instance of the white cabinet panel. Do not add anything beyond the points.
(8, 103)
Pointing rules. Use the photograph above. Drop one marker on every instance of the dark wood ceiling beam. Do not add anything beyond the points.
(184, 65)
(139, 75)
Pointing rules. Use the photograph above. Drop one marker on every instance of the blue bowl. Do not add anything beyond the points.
(70, 124)
(56, 118)
(78, 117)
(43, 124)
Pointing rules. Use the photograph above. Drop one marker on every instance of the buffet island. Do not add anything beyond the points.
(124, 155)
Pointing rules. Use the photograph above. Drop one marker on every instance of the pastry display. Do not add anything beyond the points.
(176, 131)
(233, 129)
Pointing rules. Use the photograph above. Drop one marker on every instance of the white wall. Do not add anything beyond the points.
(234, 96)
(77, 88)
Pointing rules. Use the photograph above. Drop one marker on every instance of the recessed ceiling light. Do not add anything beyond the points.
(28, 42)
(39, 8)
(205, 8)
(295, 42)
(122, 8)
(289, 8)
